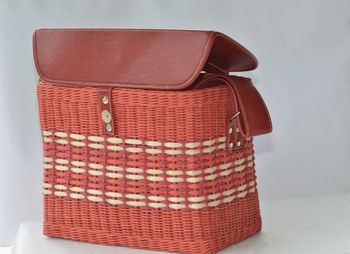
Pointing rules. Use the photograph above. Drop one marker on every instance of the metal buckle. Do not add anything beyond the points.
(235, 115)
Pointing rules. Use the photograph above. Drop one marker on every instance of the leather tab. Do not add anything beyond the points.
(235, 138)
(106, 113)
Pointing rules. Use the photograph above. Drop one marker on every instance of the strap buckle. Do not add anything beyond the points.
(235, 115)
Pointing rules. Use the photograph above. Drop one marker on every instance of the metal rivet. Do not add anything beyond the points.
(238, 143)
(108, 127)
(237, 129)
(106, 116)
(105, 100)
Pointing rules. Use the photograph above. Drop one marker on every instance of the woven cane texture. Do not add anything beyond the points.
(164, 181)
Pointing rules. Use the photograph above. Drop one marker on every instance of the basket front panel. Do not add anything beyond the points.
(165, 175)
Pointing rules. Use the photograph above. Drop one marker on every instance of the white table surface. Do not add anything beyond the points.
(309, 225)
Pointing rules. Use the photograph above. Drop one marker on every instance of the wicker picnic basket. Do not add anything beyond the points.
(147, 139)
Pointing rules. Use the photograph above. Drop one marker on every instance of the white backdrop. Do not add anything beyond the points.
(304, 52)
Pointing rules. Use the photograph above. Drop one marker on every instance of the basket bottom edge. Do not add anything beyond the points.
(197, 246)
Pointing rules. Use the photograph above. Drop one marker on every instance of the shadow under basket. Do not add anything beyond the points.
(157, 172)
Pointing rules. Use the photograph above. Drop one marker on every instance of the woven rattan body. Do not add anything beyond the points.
(166, 182)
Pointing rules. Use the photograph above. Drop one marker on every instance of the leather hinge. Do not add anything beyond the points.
(106, 113)
(234, 138)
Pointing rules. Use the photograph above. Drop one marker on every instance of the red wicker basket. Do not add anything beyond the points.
(143, 150)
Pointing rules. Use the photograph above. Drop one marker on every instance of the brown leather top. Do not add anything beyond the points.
(149, 59)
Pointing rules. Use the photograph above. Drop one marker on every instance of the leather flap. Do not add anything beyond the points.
(149, 59)
(250, 111)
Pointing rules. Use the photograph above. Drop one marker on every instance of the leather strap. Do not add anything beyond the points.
(251, 117)
(255, 118)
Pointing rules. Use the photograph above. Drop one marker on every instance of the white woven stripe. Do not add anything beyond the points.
(115, 144)
(149, 174)
(174, 176)
(116, 198)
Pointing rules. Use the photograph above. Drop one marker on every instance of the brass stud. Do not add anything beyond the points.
(108, 127)
(238, 143)
(105, 100)
(106, 116)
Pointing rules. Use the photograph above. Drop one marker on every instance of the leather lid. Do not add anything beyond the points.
(149, 59)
